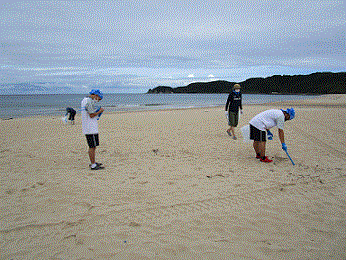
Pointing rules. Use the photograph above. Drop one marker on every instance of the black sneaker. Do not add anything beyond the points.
(100, 164)
(97, 167)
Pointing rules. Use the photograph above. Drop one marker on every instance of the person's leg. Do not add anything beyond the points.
(235, 124)
(231, 123)
(92, 155)
(256, 147)
(262, 151)
(73, 114)
(262, 148)
(259, 143)
(255, 136)
(93, 142)
(231, 130)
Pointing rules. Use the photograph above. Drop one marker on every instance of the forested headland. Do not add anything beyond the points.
(316, 83)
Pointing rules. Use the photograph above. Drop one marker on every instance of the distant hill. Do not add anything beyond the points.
(316, 83)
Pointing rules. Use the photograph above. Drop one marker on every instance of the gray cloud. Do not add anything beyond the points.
(98, 42)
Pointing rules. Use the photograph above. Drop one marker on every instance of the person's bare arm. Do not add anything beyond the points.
(281, 136)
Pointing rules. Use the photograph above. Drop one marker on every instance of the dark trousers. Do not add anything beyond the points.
(71, 113)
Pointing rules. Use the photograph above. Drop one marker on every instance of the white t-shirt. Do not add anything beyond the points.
(89, 125)
(268, 119)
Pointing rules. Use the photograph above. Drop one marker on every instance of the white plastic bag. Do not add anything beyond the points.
(64, 119)
(245, 131)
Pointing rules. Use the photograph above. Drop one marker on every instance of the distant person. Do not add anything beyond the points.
(90, 115)
(259, 129)
(71, 112)
(234, 102)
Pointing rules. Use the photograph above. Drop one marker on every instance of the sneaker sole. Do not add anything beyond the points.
(97, 168)
(100, 164)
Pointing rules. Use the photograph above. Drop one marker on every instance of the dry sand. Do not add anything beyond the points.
(175, 186)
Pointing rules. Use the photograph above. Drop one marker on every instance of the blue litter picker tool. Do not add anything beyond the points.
(290, 157)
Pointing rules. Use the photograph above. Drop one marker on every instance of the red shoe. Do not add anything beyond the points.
(266, 160)
(258, 157)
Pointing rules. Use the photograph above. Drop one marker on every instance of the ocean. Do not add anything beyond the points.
(12, 106)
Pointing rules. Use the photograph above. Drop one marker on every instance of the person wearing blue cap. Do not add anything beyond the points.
(259, 129)
(90, 115)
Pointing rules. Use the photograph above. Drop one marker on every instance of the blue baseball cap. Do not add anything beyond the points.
(96, 92)
(291, 112)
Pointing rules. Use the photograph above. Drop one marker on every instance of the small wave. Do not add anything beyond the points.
(155, 104)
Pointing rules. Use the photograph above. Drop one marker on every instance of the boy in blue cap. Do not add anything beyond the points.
(90, 114)
(259, 129)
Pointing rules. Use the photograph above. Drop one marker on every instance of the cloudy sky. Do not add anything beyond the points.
(133, 45)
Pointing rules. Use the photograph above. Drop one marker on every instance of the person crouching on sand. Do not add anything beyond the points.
(259, 129)
(234, 102)
(90, 115)
(72, 113)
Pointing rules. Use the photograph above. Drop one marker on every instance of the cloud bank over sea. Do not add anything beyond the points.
(132, 46)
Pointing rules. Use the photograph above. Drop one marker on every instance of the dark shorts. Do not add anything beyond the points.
(93, 140)
(257, 135)
(232, 119)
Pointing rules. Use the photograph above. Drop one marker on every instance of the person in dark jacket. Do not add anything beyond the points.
(71, 112)
(234, 102)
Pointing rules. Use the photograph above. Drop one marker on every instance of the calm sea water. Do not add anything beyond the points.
(33, 105)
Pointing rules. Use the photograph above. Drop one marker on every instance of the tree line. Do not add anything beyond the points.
(316, 83)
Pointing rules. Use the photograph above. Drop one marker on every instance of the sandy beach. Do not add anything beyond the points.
(175, 186)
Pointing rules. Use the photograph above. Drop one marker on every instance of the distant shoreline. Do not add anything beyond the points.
(164, 109)
(145, 93)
